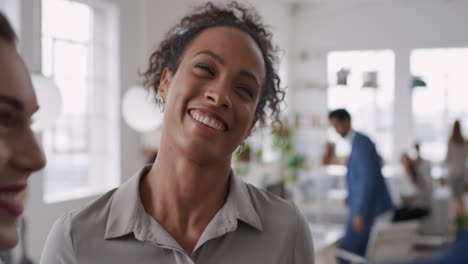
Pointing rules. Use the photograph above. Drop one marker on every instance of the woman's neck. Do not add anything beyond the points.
(184, 196)
(183, 182)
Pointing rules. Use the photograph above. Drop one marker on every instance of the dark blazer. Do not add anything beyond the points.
(368, 195)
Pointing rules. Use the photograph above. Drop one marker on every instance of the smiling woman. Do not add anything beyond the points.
(215, 78)
(20, 154)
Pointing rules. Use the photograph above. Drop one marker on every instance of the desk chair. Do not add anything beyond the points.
(388, 241)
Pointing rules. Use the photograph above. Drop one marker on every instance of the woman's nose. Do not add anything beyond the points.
(29, 155)
(219, 96)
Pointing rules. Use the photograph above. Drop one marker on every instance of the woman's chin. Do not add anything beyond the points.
(8, 237)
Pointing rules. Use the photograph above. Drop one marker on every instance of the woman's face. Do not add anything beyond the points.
(210, 101)
(20, 154)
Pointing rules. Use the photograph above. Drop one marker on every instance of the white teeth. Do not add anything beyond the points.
(213, 123)
(10, 197)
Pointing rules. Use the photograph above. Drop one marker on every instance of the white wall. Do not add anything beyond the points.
(142, 26)
(399, 25)
(277, 14)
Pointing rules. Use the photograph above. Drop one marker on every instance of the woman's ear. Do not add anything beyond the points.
(165, 82)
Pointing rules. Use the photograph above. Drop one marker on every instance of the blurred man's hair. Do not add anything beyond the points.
(6, 30)
(339, 114)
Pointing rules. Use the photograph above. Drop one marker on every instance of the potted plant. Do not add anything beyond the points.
(283, 140)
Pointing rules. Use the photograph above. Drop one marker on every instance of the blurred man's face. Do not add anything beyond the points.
(341, 127)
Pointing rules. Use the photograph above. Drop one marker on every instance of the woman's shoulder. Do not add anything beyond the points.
(114, 203)
(270, 206)
(94, 214)
(74, 227)
(283, 221)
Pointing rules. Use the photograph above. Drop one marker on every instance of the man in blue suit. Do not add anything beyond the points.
(368, 195)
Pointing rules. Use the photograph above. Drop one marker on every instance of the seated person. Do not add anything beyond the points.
(418, 172)
(417, 204)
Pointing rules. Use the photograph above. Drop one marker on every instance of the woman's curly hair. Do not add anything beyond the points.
(170, 51)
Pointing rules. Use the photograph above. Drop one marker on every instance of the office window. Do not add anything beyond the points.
(442, 100)
(366, 89)
(79, 52)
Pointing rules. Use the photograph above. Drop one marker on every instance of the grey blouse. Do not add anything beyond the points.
(253, 226)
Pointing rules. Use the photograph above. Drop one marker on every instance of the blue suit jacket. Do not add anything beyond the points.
(368, 195)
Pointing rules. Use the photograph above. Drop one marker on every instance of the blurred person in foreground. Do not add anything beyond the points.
(215, 77)
(20, 153)
(368, 195)
(455, 253)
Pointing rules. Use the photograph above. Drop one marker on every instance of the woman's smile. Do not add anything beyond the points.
(208, 119)
(11, 200)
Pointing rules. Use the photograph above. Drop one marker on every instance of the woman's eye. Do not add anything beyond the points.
(246, 91)
(5, 118)
(205, 68)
